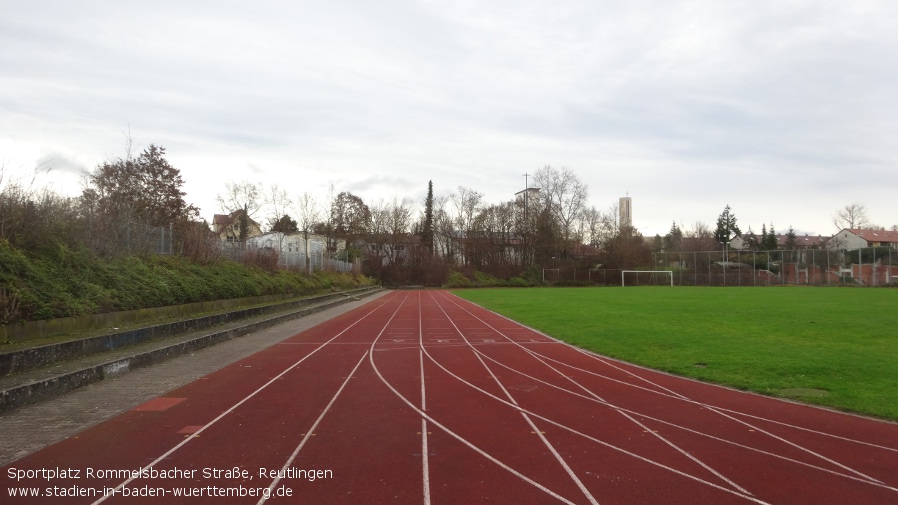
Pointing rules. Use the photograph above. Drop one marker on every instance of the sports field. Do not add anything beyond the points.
(420, 397)
(836, 347)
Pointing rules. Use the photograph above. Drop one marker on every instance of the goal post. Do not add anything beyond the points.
(623, 275)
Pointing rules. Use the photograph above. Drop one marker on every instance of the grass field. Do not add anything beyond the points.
(836, 347)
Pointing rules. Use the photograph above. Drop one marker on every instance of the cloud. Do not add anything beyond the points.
(687, 104)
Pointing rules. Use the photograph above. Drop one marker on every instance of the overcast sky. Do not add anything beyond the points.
(785, 110)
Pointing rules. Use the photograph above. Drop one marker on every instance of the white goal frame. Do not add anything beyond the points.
(623, 272)
(557, 272)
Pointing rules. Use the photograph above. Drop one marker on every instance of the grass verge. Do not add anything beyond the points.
(832, 347)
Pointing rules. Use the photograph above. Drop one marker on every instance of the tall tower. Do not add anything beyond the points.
(625, 208)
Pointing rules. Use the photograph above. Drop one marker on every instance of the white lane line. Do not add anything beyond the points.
(647, 429)
(425, 454)
(542, 437)
(456, 436)
(309, 433)
(707, 406)
(591, 438)
(630, 418)
(607, 362)
(720, 411)
(539, 433)
(690, 430)
(234, 407)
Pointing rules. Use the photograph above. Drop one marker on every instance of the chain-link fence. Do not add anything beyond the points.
(284, 251)
(133, 238)
(870, 266)
(867, 267)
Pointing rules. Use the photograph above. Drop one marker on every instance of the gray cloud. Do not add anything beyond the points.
(688, 105)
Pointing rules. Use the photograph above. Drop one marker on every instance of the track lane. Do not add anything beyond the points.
(797, 481)
(428, 399)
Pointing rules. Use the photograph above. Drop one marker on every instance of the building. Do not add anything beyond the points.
(625, 209)
(782, 242)
(857, 238)
(227, 226)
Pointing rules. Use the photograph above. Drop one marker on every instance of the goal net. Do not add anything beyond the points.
(646, 278)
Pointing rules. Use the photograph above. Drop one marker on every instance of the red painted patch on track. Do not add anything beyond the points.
(420, 397)
(158, 404)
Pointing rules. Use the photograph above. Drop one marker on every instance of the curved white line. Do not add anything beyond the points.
(588, 437)
(234, 407)
(690, 430)
(602, 400)
(607, 361)
(682, 398)
(456, 436)
(309, 433)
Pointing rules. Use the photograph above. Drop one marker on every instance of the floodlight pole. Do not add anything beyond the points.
(526, 222)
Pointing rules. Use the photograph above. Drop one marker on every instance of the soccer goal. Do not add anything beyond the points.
(646, 277)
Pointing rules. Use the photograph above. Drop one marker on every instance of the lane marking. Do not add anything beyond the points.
(588, 437)
(535, 355)
(310, 433)
(605, 361)
(456, 436)
(537, 431)
(236, 405)
(720, 411)
(425, 454)
(696, 432)
(866, 479)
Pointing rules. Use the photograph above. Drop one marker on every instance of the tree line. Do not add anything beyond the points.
(403, 240)
(548, 224)
(126, 203)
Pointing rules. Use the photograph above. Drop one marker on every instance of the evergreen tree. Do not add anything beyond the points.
(674, 238)
(285, 224)
(791, 240)
(427, 228)
(770, 243)
(727, 229)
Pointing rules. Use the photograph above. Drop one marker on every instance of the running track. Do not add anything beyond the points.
(420, 397)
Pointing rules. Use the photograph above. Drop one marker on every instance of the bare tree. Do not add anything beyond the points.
(468, 204)
(564, 193)
(279, 203)
(377, 229)
(701, 238)
(591, 225)
(308, 214)
(398, 226)
(852, 216)
(444, 230)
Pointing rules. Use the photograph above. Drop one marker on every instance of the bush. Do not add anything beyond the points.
(457, 280)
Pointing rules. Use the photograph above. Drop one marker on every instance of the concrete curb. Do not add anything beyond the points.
(26, 394)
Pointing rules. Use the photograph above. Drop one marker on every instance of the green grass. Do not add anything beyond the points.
(836, 347)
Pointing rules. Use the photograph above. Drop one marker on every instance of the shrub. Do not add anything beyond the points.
(457, 280)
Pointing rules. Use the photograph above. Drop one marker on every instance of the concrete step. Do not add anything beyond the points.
(31, 375)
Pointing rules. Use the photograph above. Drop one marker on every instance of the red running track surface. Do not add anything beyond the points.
(421, 397)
